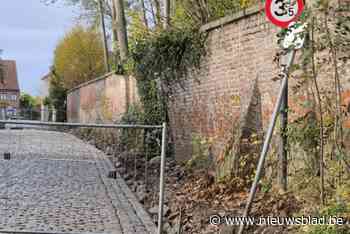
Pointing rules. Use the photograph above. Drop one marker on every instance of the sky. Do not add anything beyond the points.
(29, 33)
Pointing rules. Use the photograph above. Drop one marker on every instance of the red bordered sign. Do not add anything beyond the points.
(283, 12)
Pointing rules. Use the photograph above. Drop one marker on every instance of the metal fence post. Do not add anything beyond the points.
(161, 183)
(54, 113)
(42, 114)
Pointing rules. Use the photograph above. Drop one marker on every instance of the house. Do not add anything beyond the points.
(9, 88)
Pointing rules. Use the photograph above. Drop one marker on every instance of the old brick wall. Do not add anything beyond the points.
(218, 102)
(239, 53)
(102, 100)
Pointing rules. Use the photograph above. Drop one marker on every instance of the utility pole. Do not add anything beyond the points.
(105, 46)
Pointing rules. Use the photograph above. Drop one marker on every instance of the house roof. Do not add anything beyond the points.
(10, 75)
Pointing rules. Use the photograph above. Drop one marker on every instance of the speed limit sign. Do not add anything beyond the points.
(283, 12)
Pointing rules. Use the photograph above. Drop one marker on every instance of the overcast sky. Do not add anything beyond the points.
(29, 32)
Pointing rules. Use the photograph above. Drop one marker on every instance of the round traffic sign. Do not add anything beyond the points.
(283, 12)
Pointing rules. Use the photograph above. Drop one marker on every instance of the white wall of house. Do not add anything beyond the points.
(44, 88)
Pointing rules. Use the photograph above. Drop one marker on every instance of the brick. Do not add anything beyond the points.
(239, 47)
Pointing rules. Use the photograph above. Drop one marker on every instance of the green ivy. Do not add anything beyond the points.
(161, 61)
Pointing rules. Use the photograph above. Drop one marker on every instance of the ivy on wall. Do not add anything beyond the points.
(319, 132)
(161, 61)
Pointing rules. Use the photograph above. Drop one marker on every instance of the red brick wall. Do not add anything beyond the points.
(239, 52)
(101, 100)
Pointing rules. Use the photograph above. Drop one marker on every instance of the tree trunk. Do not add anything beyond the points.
(314, 76)
(103, 28)
(152, 12)
(121, 29)
(114, 34)
(158, 13)
(144, 17)
(166, 14)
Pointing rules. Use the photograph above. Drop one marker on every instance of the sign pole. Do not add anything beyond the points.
(281, 96)
(294, 39)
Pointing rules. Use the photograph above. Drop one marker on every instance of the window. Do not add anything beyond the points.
(8, 97)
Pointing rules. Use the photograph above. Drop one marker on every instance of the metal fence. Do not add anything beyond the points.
(39, 114)
(128, 147)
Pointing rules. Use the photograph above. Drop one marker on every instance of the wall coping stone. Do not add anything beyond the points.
(206, 27)
(92, 81)
(231, 18)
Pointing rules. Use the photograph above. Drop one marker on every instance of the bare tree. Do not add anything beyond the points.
(114, 46)
(89, 8)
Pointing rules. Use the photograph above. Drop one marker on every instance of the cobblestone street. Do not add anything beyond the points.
(55, 182)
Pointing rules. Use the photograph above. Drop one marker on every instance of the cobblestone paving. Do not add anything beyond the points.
(55, 182)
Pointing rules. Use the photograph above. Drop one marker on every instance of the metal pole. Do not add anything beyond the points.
(86, 125)
(161, 183)
(267, 141)
(102, 19)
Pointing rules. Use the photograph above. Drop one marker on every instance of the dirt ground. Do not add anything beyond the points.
(192, 196)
